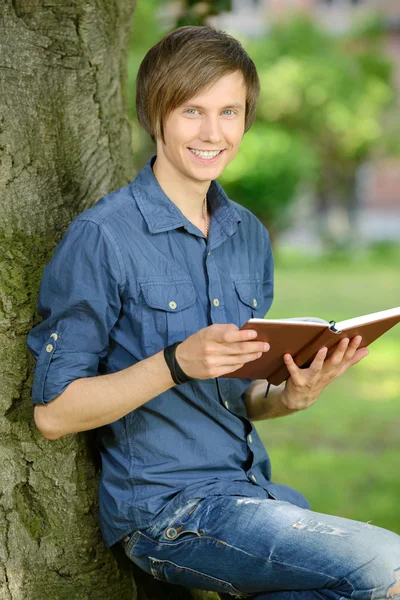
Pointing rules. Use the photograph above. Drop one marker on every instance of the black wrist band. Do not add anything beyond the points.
(266, 393)
(177, 374)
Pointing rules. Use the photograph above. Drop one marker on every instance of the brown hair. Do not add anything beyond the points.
(182, 64)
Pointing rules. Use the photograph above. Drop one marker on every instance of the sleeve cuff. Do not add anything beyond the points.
(54, 371)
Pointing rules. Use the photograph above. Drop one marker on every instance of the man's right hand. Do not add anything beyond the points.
(218, 349)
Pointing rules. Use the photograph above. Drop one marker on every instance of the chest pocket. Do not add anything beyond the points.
(249, 298)
(169, 312)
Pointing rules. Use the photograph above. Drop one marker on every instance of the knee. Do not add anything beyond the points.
(384, 572)
(393, 590)
(387, 583)
(391, 566)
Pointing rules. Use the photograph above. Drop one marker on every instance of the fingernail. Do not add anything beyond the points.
(266, 346)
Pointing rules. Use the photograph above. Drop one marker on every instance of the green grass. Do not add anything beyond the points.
(343, 452)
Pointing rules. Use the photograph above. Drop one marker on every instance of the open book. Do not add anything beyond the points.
(302, 337)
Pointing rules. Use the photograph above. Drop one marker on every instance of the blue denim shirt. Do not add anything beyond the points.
(130, 276)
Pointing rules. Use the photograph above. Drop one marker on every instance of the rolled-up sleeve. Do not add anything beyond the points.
(79, 301)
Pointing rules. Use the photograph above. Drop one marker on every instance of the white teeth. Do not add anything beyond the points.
(205, 154)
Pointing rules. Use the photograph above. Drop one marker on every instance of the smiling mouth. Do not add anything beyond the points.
(206, 154)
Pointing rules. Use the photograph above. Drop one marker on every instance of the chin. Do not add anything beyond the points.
(205, 173)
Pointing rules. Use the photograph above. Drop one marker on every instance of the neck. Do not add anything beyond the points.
(187, 195)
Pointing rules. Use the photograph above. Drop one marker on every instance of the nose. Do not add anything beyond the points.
(211, 130)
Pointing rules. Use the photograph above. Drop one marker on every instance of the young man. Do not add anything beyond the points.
(142, 304)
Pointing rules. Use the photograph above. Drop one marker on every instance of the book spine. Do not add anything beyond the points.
(333, 326)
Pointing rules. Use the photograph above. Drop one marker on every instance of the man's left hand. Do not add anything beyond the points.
(305, 385)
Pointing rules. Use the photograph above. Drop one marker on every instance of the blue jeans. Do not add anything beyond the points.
(266, 549)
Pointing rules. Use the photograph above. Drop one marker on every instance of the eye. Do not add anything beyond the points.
(229, 110)
(191, 109)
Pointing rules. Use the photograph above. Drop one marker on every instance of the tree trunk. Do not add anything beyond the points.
(65, 141)
(337, 208)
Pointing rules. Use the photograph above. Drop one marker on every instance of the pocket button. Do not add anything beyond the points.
(171, 533)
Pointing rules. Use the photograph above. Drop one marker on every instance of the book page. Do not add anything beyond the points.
(383, 314)
(304, 320)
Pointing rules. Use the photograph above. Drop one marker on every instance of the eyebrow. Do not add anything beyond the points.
(234, 105)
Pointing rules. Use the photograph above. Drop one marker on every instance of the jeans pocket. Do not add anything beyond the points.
(170, 572)
(129, 546)
(137, 550)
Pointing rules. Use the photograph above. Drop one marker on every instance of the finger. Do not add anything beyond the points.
(319, 359)
(352, 347)
(239, 360)
(296, 375)
(350, 351)
(247, 334)
(246, 347)
(291, 365)
(359, 355)
(339, 352)
(228, 333)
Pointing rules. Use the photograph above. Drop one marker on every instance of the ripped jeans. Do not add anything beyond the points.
(267, 549)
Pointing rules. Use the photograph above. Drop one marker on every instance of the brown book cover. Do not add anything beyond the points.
(302, 337)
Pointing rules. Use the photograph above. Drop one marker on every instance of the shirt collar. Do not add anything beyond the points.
(161, 214)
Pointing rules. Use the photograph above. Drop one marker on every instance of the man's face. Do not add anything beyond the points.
(211, 121)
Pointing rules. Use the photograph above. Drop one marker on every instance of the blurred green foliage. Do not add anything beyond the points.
(320, 115)
(196, 12)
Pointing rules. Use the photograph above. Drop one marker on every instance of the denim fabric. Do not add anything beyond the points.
(268, 550)
(130, 276)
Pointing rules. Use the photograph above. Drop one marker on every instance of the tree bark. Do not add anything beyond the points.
(65, 141)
